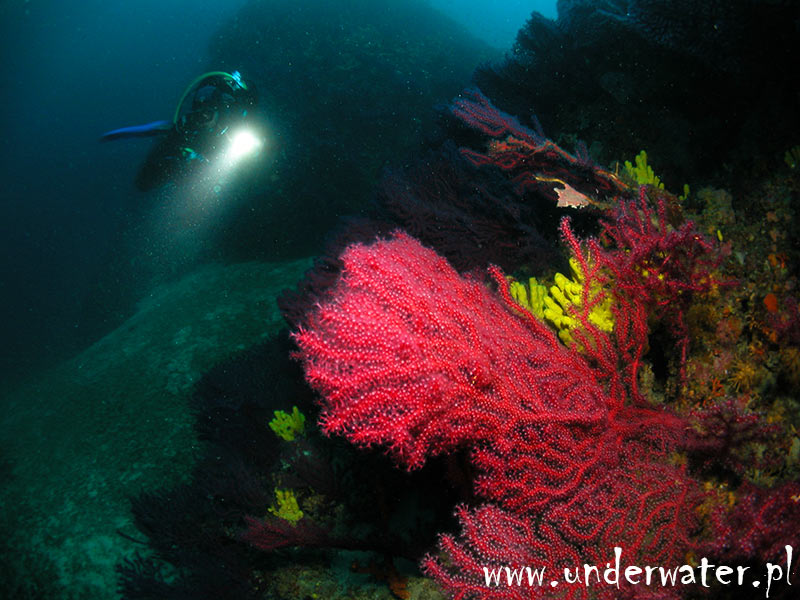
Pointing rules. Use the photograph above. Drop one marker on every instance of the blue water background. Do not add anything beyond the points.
(495, 22)
(71, 71)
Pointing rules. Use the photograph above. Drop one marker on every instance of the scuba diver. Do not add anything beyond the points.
(210, 113)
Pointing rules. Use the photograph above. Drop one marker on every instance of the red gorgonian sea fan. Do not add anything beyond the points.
(409, 355)
(571, 458)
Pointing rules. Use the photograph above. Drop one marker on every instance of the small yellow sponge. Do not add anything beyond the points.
(288, 426)
(288, 509)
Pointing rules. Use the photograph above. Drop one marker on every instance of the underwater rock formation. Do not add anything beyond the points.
(345, 90)
(114, 420)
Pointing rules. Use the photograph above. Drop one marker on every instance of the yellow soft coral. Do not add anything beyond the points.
(556, 304)
(288, 426)
(530, 297)
(288, 509)
(641, 173)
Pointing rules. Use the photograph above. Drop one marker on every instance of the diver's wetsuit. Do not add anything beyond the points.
(210, 107)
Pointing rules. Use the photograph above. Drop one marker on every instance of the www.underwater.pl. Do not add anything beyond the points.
(705, 574)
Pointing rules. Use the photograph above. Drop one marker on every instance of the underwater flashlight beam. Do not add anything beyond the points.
(243, 143)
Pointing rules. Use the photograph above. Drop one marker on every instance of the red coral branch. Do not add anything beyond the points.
(272, 533)
(749, 529)
(411, 356)
(532, 162)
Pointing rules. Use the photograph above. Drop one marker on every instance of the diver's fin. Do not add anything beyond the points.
(148, 130)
